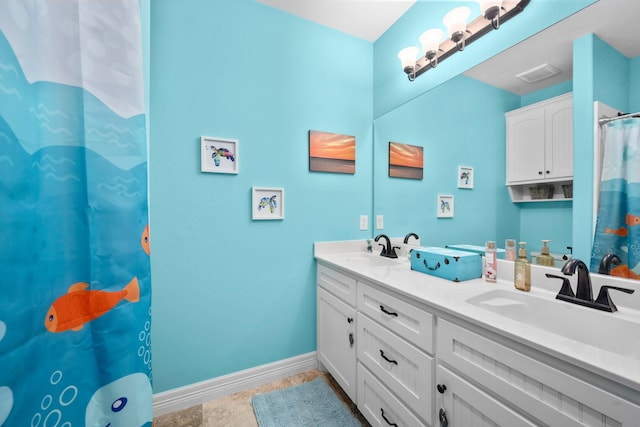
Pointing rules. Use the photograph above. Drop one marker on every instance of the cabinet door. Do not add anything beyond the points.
(336, 340)
(552, 396)
(559, 139)
(465, 405)
(525, 145)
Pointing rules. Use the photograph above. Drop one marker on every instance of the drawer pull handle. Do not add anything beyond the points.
(351, 340)
(431, 268)
(390, 313)
(387, 359)
(385, 418)
(441, 388)
(349, 319)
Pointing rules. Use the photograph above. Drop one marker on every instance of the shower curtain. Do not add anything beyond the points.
(618, 219)
(75, 285)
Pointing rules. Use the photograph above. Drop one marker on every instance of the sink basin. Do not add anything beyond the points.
(607, 331)
(372, 260)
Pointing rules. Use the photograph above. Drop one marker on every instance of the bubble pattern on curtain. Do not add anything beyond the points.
(618, 219)
(75, 283)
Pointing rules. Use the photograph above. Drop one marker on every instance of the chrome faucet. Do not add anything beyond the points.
(584, 294)
(607, 261)
(387, 250)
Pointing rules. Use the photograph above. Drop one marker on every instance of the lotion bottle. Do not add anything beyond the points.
(510, 249)
(490, 262)
(545, 258)
(522, 274)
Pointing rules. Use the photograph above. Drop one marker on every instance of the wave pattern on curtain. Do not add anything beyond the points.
(75, 291)
(618, 220)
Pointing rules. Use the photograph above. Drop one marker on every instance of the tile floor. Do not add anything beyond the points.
(236, 410)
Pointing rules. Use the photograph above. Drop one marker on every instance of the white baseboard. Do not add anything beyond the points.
(204, 391)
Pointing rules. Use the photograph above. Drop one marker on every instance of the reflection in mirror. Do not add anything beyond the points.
(462, 122)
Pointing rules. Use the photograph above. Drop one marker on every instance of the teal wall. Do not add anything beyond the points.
(230, 293)
(634, 79)
(453, 132)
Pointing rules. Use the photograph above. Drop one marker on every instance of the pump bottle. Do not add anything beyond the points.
(545, 258)
(522, 273)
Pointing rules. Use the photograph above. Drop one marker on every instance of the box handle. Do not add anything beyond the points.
(431, 268)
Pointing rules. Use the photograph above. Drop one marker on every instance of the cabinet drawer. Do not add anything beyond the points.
(548, 394)
(466, 405)
(408, 321)
(379, 406)
(403, 368)
(340, 285)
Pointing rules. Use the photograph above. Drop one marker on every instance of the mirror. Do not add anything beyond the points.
(462, 123)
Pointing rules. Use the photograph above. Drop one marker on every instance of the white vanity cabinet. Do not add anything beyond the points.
(336, 327)
(405, 358)
(512, 388)
(540, 145)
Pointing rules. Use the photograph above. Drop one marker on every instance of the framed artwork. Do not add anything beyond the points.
(444, 206)
(405, 161)
(218, 155)
(332, 152)
(267, 203)
(465, 177)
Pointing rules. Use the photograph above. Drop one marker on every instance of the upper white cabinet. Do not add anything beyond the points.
(540, 145)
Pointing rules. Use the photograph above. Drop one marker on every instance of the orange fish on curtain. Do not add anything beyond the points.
(144, 240)
(80, 305)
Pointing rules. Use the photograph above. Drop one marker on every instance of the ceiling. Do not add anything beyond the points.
(369, 19)
(365, 19)
(605, 18)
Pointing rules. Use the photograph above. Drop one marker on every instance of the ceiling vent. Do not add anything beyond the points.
(538, 73)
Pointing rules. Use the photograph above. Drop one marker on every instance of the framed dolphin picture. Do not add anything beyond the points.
(218, 155)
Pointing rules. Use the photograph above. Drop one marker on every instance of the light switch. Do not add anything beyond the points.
(364, 222)
(379, 222)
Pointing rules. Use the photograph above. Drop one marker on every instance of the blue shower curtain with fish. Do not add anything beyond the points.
(75, 285)
(618, 219)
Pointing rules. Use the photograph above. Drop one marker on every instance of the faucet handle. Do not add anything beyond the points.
(393, 253)
(604, 299)
(384, 249)
(565, 290)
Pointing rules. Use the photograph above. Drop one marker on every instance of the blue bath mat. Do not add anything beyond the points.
(307, 405)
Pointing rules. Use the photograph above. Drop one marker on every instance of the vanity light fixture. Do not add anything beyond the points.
(491, 11)
(460, 34)
(408, 59)
(456, 23)
(430, 41)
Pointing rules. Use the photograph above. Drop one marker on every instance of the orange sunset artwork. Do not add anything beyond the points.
(405, 161)
(332, 152)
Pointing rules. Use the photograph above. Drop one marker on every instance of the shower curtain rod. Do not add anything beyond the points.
(605, 120)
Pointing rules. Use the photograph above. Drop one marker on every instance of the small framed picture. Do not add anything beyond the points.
(218, 155)
(465, 177)
(267, 203)
(445, 206)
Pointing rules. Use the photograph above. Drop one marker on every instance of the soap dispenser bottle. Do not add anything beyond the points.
(490, 262)
(522, 274)
(545, 258)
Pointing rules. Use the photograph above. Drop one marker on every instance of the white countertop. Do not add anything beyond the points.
(452, 298)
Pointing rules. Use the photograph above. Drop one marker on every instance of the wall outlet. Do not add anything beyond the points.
(364, 222)
(379, 222)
